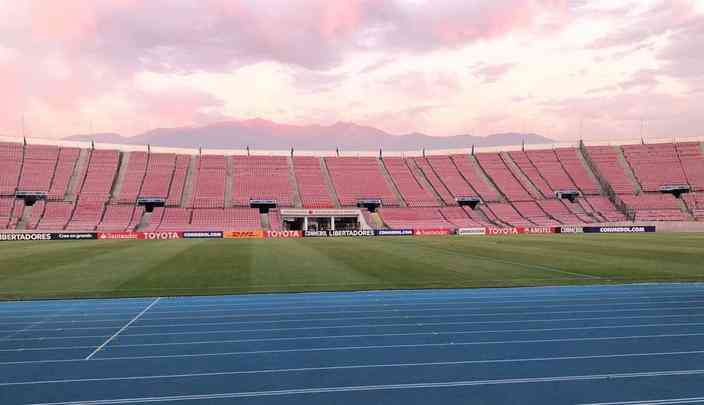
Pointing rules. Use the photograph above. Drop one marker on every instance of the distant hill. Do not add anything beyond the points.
(263, 134)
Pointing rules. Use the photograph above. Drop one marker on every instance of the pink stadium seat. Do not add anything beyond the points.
(654, 207)
(261, 178)
(68, 157)
(133, 177)
(606, 160)
(10, 166)
(692, 160)
(571, 162)
(227, 219)
(117, 218)
(175, 219)
(56, 215)
(356, 178)
(209, 182)
(160, 183)
(410, 188)
(458, 217)
(275, 221)
(494, 166)
(471, 174)
(416, 218)
(451, 177)
(550, 169)
(38, 168)
(505, 213)
(86, 215)
(37, 212)
(532, 211)
(100, 175)
(604, 208)
(655, 165)
(435, 181)
(311, 184)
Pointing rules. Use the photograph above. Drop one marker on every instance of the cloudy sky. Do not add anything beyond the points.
(442, 67)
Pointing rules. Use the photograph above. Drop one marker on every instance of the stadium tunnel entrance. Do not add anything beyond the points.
(323, 220)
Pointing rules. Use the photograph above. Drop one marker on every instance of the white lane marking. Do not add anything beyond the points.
(381, 387)
(219, 342)
(99, 348)
(464, 332)
(673, 401)
(351, 367)
(391, 346)
(388, 307)
(637, 290)
(460, 314)
(397, 313)
(384, 325)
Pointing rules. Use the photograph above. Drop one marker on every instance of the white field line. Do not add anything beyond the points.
(351, 367)
(380, 387)
(99, 348)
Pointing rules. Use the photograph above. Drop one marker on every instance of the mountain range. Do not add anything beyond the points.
(267, 135)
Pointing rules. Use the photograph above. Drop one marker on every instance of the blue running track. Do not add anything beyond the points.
(630, 344)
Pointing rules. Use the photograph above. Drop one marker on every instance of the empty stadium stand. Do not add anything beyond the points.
(356, 178)
(98, 189)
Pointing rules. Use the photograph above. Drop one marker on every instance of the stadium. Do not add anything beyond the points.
(387, 202)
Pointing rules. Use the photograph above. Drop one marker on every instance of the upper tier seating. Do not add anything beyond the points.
(159, 173)
(474, 178)
(410, 188)
(575, 169)
(178, 181)
(655, 165)
(133, 177)
(261, 178)
(356, 178)
(607, 162)
(551, 170)
(532, 173)
(209, 182)
(311, 184)
(100, 175)
(416, 218)
(434, 180)
(692, 159)
(38, 167)
(494, 166)
(10, 166)
(68, 157)
(451, 177)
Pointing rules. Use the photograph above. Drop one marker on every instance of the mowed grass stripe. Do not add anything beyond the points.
(187, 267)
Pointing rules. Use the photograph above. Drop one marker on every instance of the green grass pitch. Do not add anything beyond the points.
(187, 267)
